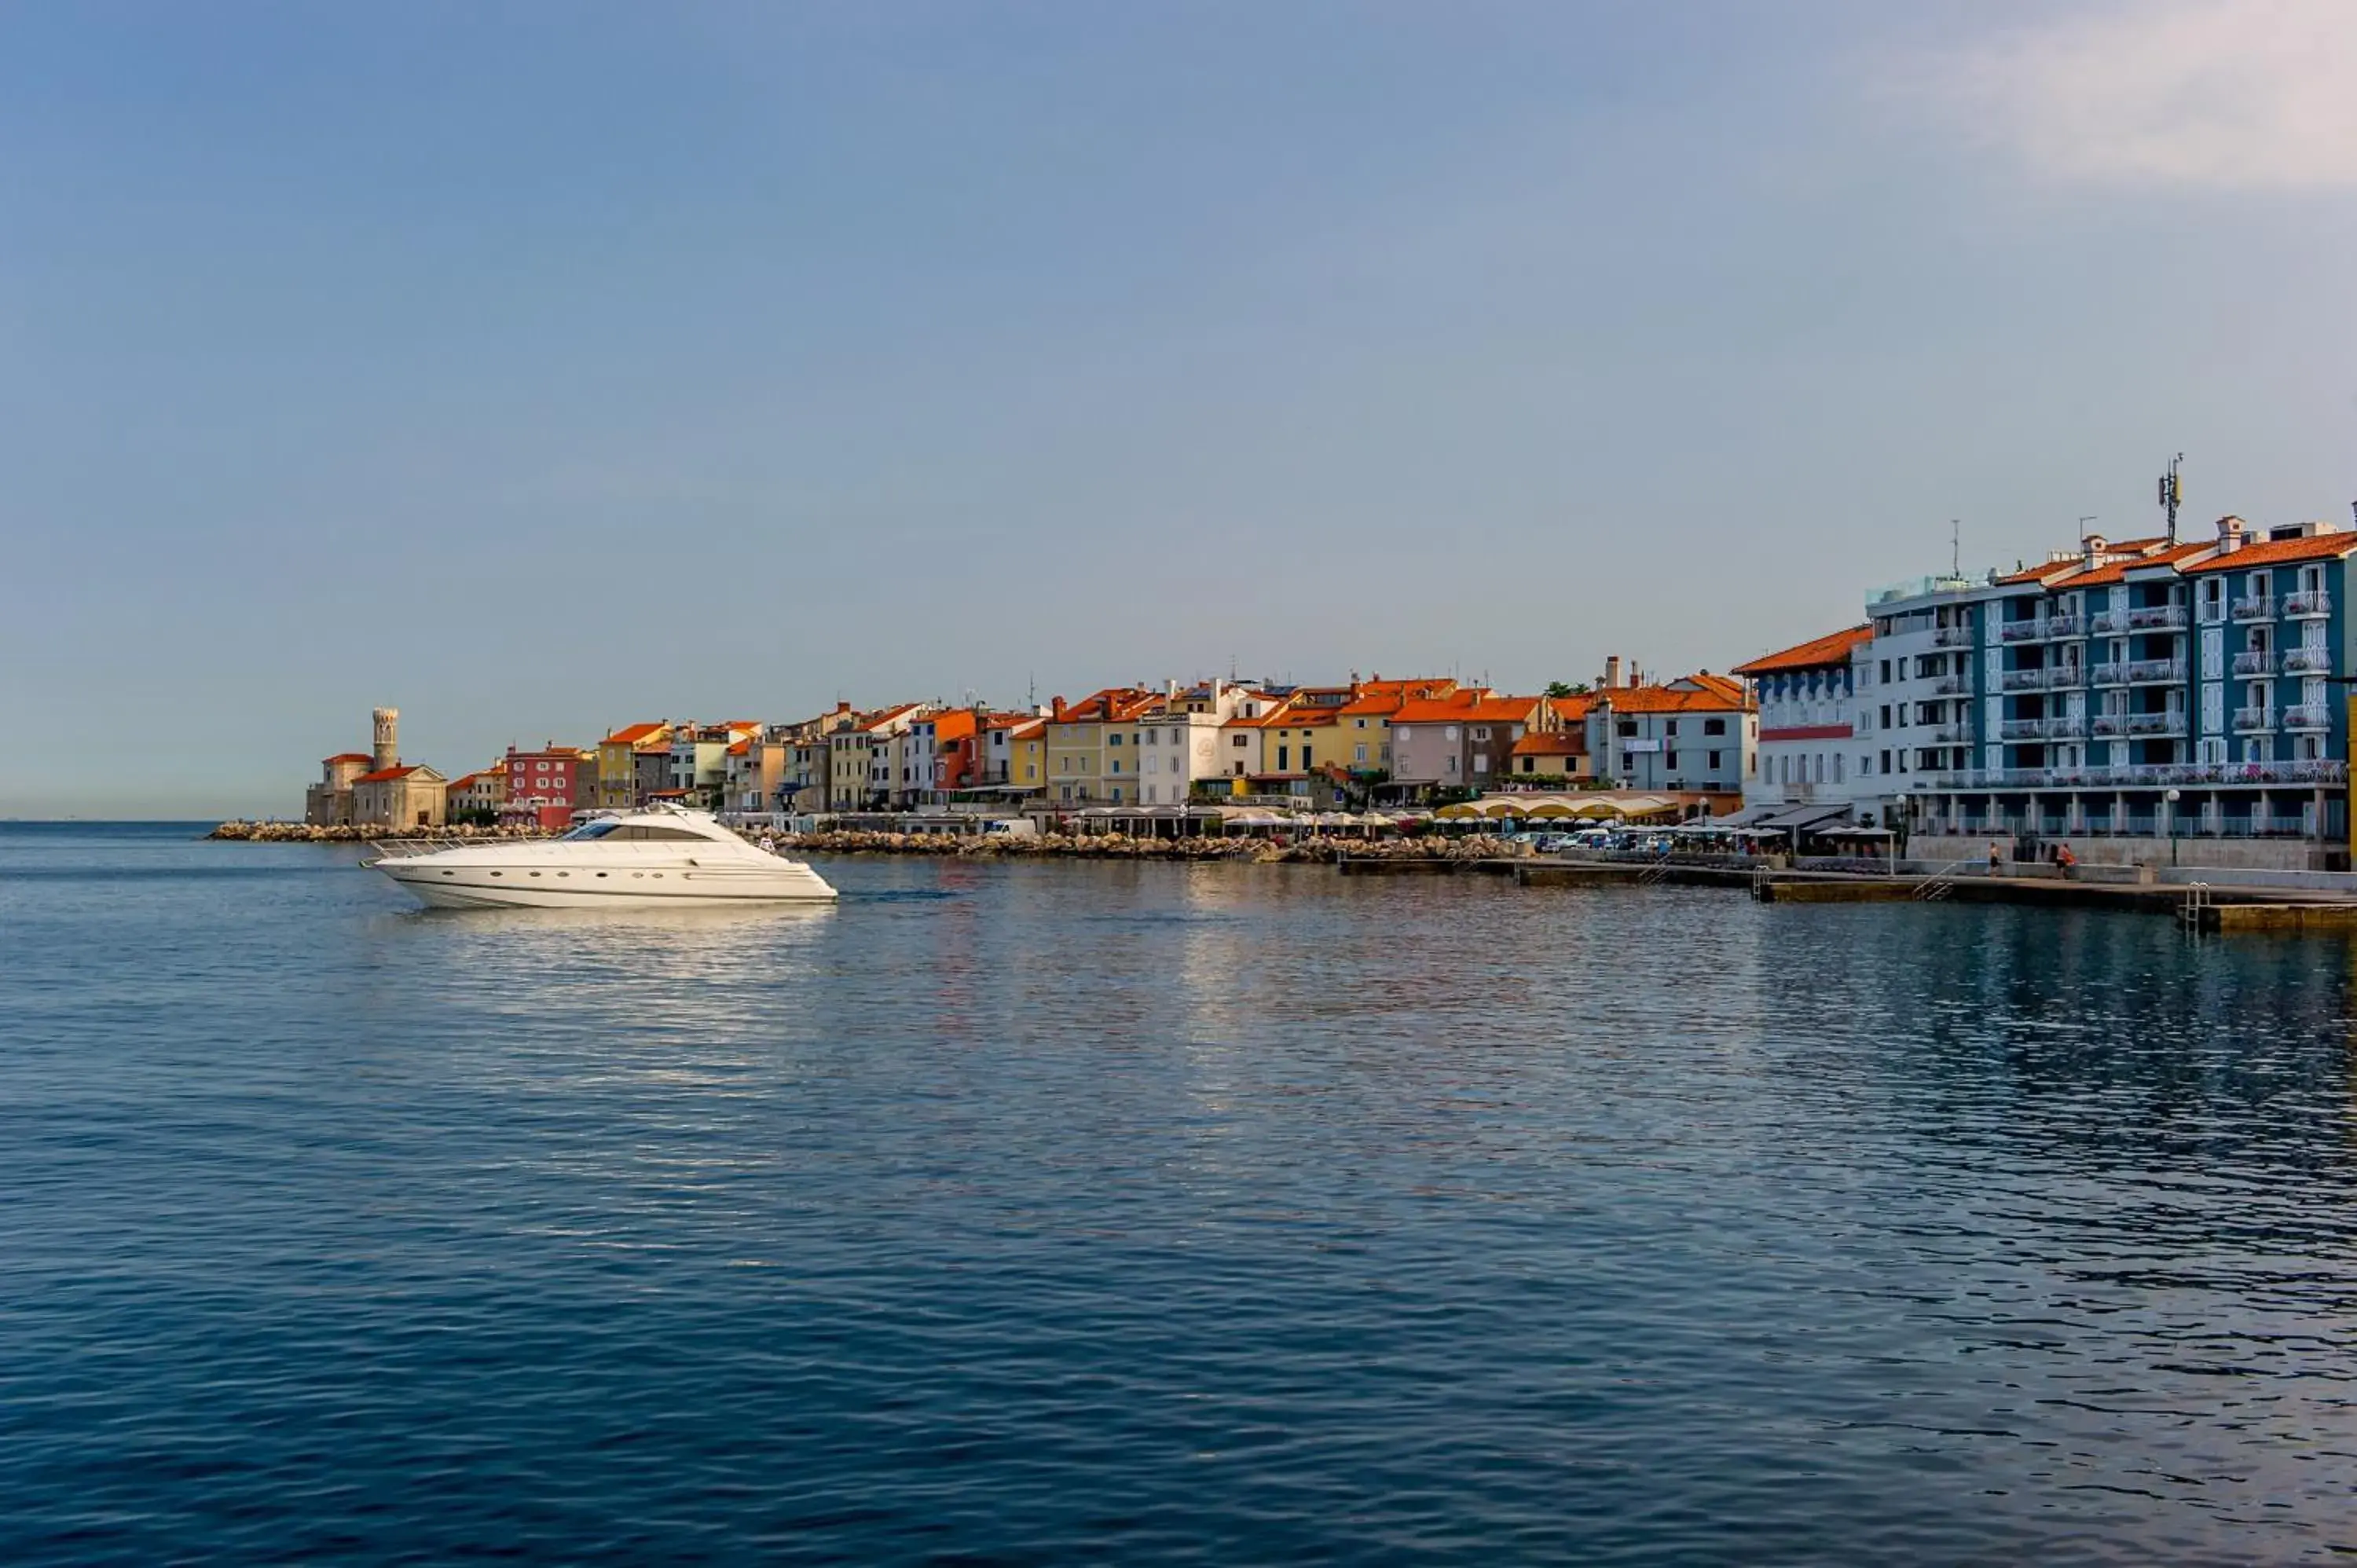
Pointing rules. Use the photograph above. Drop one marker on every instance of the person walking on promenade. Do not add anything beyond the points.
(1997, 856)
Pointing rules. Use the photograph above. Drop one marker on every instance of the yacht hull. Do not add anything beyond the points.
(543, 887)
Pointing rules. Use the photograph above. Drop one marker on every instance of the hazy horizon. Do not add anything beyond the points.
(536, 369)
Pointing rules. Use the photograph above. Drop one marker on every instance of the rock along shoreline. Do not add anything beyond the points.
(963, 846)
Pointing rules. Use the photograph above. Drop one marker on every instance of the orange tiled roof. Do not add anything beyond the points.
(630, 735)
(2278, 552)
(387, 775)
(883, 716)
(1725, 685)
(742, 748)
(1664, 699)
(2117, 570)
(349, 757)
(955, 724)
(1572, 709)
(1555, 743)
(1834, 647)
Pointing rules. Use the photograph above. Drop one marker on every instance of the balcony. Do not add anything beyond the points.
(2156, 617)
(2254, 663)
(2067, 674)
(2172, 722)
(2021, 729)
(2065, 726)
(1953, 735)
(2058, 628)
(2109, 623)
(2308, 661)
(2155, 671)
(2260, 608)
(1952, 636)
(2148, 776)
(2112, 725)
(2307, 606)
(2023, 681)
(2028, 630)
(1952, 686)
(2249, 721)
(2307, 717)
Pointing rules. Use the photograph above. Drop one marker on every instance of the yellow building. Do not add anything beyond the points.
(618, 763)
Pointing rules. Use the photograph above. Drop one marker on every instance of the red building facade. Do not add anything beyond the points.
(546, 787)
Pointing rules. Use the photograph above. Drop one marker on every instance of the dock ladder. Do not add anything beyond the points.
(2197, 901)
(1940, 884)
(1761, 882)
(1654, 873)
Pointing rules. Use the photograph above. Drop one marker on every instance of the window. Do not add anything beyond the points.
(1358, 754)
(1885, 762)
(1714, 761)
(1668, 759)
(1714, 726)
(1449, 733)
(1671, 729)
(1480, 732)
(1886, 721)
(1241, 741)
(1116, 741)
(1886, 671)
(1628, 764)
(1480, 762)
(1625, 727)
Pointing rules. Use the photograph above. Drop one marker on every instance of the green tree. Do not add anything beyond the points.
(1567, 689)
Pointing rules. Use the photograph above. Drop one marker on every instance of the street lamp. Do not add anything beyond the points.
(2171, 796)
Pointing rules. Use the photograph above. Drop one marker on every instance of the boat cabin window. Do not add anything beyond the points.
(627, 833)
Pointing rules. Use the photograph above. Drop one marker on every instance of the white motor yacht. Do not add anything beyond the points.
(664, 857)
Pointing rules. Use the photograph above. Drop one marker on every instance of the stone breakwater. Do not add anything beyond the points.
(1119, 846)
(306, 832)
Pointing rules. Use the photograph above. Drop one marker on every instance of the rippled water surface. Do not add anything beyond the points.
(1046, 1213)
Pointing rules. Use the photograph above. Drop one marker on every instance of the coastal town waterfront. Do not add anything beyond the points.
(2145, 702)
(1173, 1211)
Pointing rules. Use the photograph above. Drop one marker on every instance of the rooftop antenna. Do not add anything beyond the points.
(1955, 548)
(2171, 494)
(2084, 522)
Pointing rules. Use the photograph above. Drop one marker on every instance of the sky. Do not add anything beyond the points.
(539, 368)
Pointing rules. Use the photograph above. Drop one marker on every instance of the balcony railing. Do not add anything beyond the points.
(2249, 720)
(2155, 618)
(2262, 607)
(2023, 681)
(2313, 602)
(2307, 660)
(2109, 623)
(2307, 716)
(2021, 729)
(1952, 636)
(2146, 775)
(1953, 735)
(2066, 674)
(2254, 664)
(2170, 723)
(2114, 673)
(2102, 724)
(2066, 626)
(2028, 630)
(2151, 672)
(1952, 686)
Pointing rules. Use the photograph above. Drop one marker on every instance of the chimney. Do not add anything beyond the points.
(1611, 671)
(2230, 534)
(1056, 708)
(2094, 551)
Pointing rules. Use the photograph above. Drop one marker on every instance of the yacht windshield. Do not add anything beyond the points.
(592, 830)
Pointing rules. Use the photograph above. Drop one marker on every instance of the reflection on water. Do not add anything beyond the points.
(1035, 1212)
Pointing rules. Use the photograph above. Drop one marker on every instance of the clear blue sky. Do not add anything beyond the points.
(537, 368)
